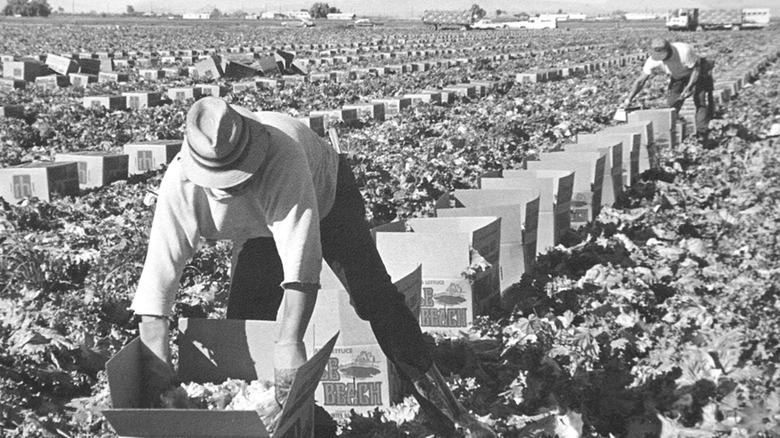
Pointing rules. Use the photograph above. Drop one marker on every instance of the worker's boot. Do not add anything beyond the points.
(443, 410)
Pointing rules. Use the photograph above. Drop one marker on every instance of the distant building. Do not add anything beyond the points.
(341, 16)
(197, 16)
(299, 15)
(577, 17)
(270, 15)
(642, 16)
(550, 17)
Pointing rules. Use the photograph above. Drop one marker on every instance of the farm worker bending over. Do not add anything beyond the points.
(691, 75)
(287, 200)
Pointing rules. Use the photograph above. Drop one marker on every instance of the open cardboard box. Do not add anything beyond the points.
(213, 350)
(555, 192)
(588, 168)
(358, 375)
(443, 246)
(631, 143)
(519, 212)
(612, 188)
(646, 130)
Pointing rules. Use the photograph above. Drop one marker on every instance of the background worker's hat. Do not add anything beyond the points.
(224, 144)
(660, 49)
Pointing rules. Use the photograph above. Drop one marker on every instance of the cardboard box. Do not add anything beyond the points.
(432, 98)
(39, 179)
(244, 86)
(443, 246)
(588, 171)
(210, 67)
(612, 188)
(555, 191)
(531, 76)
(150, 155)
(374, 111)
(95, 66)
(358, 375)
(664, 123)
(394, 106)
(16, 111)
(212, 90)
(108, 102)
(96, 169)
(631, 143)
(142, 99)
(184, 93)
(52, 81)
(24, 70)
(105, 76)
(82, 79)
(268, 83)
(645, 129)
(9, 84)
(213, 351)
(462, 90)
(61, 64)
(519, 212)
(151, 74)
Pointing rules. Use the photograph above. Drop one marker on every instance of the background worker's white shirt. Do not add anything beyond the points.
(679, 65)
(293, 189)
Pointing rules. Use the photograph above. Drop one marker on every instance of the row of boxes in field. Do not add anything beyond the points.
(552, 74)
(108, 61)
(73, 171)
(96, 169)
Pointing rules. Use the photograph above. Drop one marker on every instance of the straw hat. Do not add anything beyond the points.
(224, 144)
(660, 49)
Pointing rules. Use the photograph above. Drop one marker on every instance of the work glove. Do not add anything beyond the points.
(157, 374)
(288, 357)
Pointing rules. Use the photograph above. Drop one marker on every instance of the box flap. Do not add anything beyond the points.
(124, 376)
(306, 381)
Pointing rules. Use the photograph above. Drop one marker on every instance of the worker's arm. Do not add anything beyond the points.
(639, 83)
(695, 72)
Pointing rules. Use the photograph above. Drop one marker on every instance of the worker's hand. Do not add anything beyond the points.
(626, 103)
(288, 357)
(156, 372)
(686, 93)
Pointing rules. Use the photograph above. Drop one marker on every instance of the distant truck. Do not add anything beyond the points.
(531, 23)
(706, 19)
(449, 19)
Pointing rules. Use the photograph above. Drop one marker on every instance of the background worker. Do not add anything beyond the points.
(287, 200)
(690, 75)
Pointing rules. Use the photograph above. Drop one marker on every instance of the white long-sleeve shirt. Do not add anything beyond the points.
(293, 189)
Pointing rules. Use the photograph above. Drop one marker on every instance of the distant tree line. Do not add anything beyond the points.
(25, 8)
(321, 10)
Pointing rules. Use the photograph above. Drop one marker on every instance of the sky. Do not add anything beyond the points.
(406, 8)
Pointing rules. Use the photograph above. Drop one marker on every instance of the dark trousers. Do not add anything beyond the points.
(347, 247)
(702, 100)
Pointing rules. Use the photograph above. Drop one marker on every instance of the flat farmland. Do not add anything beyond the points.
(654, 316)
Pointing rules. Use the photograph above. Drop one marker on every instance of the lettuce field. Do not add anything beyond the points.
(657, 319)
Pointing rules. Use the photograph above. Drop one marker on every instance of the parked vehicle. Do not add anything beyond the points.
(531, 23)
(302, 22)
(706, 19)
(364, 22)
(441, 19)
